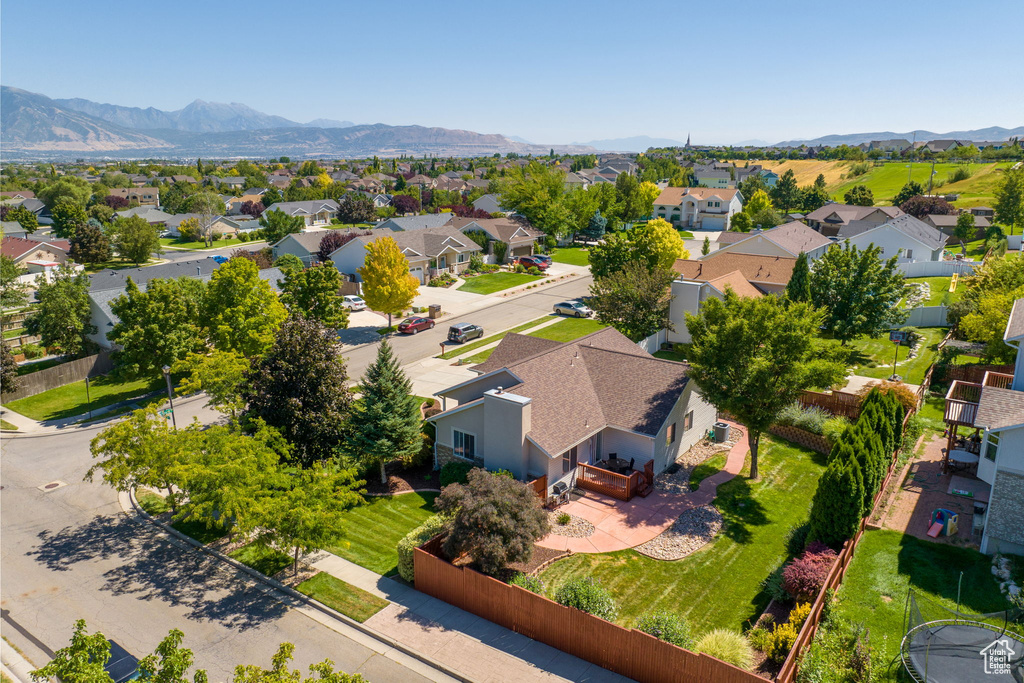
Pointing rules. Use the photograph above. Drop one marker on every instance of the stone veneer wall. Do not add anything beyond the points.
(1005, 520)
(815, 442)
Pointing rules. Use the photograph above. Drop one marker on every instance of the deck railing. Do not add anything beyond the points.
(998, 380)
(962, 403)
(620, 486)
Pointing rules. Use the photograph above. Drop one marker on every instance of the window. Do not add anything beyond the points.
(910, 253)
(569, 460)
(992, 447)
(670, 438)
(464, 444)
(688, 422)
(461, 258)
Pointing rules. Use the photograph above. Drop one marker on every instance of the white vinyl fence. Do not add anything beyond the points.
(926, 316)
(937, 268)
(654, 342)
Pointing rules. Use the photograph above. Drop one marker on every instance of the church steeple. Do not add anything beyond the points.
(687, 141)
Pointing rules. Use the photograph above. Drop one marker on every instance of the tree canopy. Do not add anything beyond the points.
(634, 299)
(1009, 208)
(859, 195)
(314, 292)
(388, 287)
(240, 310)
(63, 317)
(277, 225)
(134, 239)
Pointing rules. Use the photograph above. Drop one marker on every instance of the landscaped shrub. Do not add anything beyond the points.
(534, 270)
(32, 351)
(564, 518)
(903, 393)
(778, 642)
(837, 505)
(840, 651)
(520, 268)
(803, 577)
(811, 419)
(587, 595)
(530, 583)
(833, 428)
(503, 473)
(455, 472)
(729, 646)
(415, 538)
(911, 434)
(666, 626)
(799, 615)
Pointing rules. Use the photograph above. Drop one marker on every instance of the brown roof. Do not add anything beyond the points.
(1000, 408)
(514, 348)
(499, 228)
(579, 387)
(1015, 325)
(16, 247)
(796, 237)
(754, 267)
(737, 282)
(674, 195)
(731, 237)
(27, 194)
(848, 212)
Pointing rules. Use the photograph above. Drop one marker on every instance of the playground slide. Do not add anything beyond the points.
(935, 529)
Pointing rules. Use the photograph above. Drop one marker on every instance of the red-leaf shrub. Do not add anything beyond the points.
(803, 577)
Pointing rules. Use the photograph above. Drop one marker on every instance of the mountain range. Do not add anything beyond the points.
(637, 143)
(991, 134)
(33, 126)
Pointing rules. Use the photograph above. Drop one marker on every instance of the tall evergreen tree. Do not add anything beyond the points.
(836, 508)
(786, 193)
(387, 425)
(799, 286)
(705, 248)
(8, 369)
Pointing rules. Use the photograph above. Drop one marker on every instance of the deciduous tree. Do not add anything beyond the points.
(280, 673)
(404, 204)
(356, 208)
(277, 225)
(965, 230)
(920, 206)
(762, 213)
(388, 287)
(659, 244)
(1009, 206)
(63, 316)
(252, 209)
(90, 245)
(134, 239)
(634, 299)
(752, 357)
(68, 217)
(859, 195)
(911, 189)
(315, 292)
(208, 205)
(12, 292)
(71, 188)
(80, 662)
(221, 374)
(23, 217)
(240, 310)
(8, 369)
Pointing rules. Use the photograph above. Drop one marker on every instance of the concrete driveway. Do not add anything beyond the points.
(362, 327)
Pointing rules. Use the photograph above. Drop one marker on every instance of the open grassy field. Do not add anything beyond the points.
(496, 282)
(718, 586)
(807, 170)
(374, 529)
(887, 180)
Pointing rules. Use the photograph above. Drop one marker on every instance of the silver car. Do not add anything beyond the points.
(353, 302)
(575, 309)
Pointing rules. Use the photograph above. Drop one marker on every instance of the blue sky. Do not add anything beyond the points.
(551, 72)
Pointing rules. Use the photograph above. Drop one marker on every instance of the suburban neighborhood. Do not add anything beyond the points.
(346, 402)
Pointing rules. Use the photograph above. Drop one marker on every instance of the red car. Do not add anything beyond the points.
(532, 261)
(414, 325)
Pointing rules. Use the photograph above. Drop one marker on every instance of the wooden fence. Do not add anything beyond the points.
(628, 652)
(838, 402)
(971, 373)
(59, 375)
(787, 674)
(815, 442)
(540, 487)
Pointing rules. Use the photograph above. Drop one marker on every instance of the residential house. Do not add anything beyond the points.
(145, 196)
(151, 214)
(379, 200)
(829, 219)
(12, 229)
(713, 178)
(541, 408)
(343, 176)
(234, 204)
(107, 285)
(521, 239)
(313, 211)
(9, 195)
(749, 275)
(945, 145)
(789, 239)
(890, 147)
(699, 208)
(576, 180)
(489, 203)
(424, 182)
(226, 226)
(24, 252)
(620, 165)
(905, 237)
(279, 181)
(994, 408)
(984, 212)
(430, 251)
(947, 224)
(421, 222)
(306, 245)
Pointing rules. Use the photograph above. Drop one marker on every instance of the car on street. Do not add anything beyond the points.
(415, 324)
(353, 302)
(532, 261)
(575, 309)
(463, 332)
(122, 665)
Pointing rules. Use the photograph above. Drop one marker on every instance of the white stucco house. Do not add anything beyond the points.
(543, 408)
(312, 212)
(699, 208)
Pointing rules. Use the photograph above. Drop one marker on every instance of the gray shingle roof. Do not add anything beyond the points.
(1000, 408)
(430, 220)
(1015, 325)
(305, 208)
(908, 225)
(117, 279)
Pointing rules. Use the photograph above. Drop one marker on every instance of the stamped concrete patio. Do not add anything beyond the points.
(621, 525)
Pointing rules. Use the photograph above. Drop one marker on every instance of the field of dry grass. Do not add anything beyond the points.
(807, 170)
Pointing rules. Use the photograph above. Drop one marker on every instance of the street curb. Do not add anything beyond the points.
(15, 664)
(53, 430)
(291, 592)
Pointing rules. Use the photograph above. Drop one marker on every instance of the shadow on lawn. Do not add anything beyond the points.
(936, 568)
(740, 509)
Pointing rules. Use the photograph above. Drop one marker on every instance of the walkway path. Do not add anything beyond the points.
(621, 525)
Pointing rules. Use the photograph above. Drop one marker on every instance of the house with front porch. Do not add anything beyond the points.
(430, 252)
(699, 208)
(542, 408)
(313, 212)
(994, 410)
(521, 239)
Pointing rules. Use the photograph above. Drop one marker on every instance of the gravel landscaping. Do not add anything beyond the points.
(576, 528)
(676, 479)
(694, 529)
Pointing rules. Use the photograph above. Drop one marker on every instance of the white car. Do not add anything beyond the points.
(353, 302)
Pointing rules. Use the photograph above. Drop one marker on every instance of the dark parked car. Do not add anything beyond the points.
(532, 261)
(414, 325)
(122, 666)
(463, 332)
(575, 309)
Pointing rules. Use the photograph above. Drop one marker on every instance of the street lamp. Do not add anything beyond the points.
(170, 394)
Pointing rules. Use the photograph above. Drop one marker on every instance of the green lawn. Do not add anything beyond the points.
(495, 282)
(459, 349)
(712, 465)
(887, 564)
(679, 353)
(342, 597)
(374, 529)
(115, 264)
(29, 368)
(156, 504)
(192, 246)
(573, 256)
(267, 561)
(4, 424)
(939, 289)
(720, 584)
(887, 180)
(685, 234)
(153, 503)
(70, 399)
(933, 410)
(15, 332)
(866, 351)
(569, 329)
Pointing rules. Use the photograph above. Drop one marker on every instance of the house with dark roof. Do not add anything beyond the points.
(993, 410)
(788, 239)
(829, 219)
(905, 237)
(545, 408)
(947, 224)
(490, 203)
(430, 251)
(421, 222)
(313, 211)
(306, 245)
(520, 238)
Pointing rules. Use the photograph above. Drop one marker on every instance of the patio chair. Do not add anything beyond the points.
(632, 461)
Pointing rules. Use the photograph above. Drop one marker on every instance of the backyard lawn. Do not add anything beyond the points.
(70, 399)
(192, 246)
(459, 349)
(116, 264)
(29, 368)
(573, 256)
(342, 597)
(939, 289)
(374, 529)
(495, 282)
(887, 564)
(718, 586)
(569, 329)
(865, 352)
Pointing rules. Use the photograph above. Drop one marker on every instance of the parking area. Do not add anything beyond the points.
(362, 327)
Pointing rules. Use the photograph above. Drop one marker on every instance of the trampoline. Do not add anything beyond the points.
(941, 645)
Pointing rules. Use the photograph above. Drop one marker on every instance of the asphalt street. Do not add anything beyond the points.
(70, 553)
(187, 255)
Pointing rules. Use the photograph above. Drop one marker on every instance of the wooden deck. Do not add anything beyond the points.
(619, 486)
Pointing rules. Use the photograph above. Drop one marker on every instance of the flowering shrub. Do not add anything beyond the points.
(803, 577)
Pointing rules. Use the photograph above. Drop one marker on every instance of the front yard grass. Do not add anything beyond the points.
(70, 399)
(266, 561)
(195, 246)
(496, 282)
(569, 329)
(29, 368)
(116, 264)
(375, 529)
(718, 586)
(459, 349)
(939, 289)
(867, 351)
(572, 256)
(887, 564)
(4, 424)
(342, 597)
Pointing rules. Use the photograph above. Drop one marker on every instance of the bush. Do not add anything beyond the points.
(962, 172)
(504, 473)
(772, 585)
(442, 280)
(779, 642)
(833, 428)
(903, 393)
(414, 539)
(803, 578)
(32, 351)
(564, 518)
(243, 237)
(533, 270)
(587, 595)
(858, 169)
(476, 262)
(530, 583)
(729, 646)
(811, 419)
(455, 472)
(519, 268)
(913, 432)
(799, 615)
(666, 626)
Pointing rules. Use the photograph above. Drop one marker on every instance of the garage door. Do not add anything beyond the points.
(417, 273)
(713, 223)
(522, 251)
